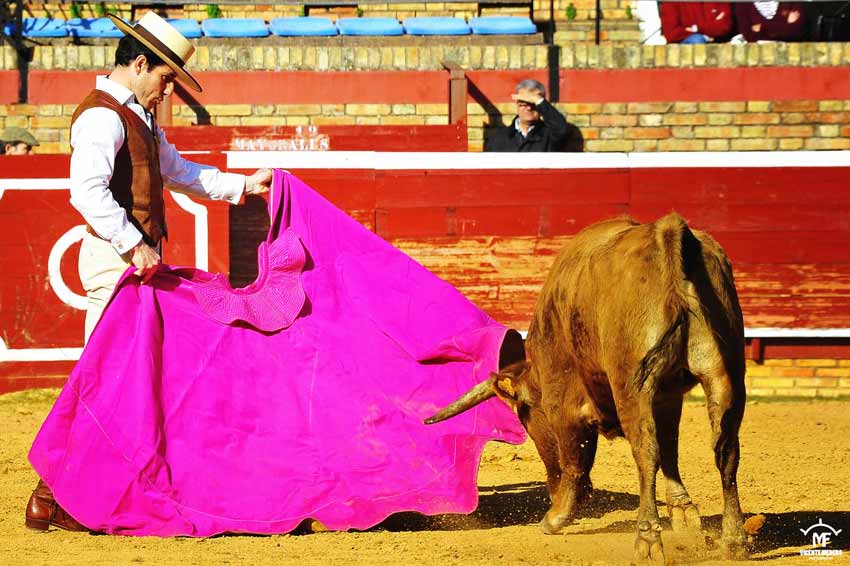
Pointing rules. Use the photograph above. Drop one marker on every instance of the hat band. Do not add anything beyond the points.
(148, 36)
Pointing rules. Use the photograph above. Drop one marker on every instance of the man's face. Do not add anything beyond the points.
(153, 84)
(525, 99)
(18, 148)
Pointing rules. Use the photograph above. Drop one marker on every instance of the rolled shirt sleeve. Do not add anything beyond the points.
(197, 180)
(96, 137)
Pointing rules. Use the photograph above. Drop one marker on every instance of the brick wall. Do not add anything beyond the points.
(824, 378)
(655, 126)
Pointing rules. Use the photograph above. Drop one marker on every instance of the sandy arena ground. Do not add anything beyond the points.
(795, 470)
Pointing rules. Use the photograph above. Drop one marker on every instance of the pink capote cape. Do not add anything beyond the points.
(198, 409)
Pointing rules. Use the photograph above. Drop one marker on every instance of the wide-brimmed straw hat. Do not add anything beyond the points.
(164, 40)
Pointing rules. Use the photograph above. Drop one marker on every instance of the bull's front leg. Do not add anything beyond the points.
(544, 441)
(576, 452)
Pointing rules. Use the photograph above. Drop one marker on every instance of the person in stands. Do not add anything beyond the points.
(537, 126)
(696, 22)
(770, 21)
(17, 141)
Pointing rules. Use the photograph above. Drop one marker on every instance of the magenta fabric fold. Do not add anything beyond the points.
(197, 409)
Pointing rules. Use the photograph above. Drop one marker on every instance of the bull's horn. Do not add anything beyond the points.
(474, 396)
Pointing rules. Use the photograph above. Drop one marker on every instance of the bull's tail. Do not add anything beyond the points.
(677, 245)
(667, 354)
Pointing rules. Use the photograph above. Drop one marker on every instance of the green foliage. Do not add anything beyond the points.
(74, 10)
(629, 14)
(213, 11)
(359, 12)
(303, 12)
(100, 10)
(571, 11)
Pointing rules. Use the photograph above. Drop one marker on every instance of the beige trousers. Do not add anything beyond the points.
(100, 267)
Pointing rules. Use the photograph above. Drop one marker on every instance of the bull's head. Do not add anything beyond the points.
(514, 385)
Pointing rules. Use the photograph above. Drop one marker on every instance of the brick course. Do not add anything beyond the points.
(825, 378)
(605, 127)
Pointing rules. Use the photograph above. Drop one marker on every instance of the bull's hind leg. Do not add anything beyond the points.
(643, 438)
(684, 515)
(725, 400)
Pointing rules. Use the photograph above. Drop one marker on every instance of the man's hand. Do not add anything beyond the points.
(259, 182)
(527, 96)
(146, 261)
(793, 16)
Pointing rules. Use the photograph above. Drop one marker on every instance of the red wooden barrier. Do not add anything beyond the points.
(492, 233)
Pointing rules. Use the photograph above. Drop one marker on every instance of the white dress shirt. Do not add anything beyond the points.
(97, 136)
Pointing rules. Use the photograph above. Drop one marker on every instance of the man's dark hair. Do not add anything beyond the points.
(129, 48)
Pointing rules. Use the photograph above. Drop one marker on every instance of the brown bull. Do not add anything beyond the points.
(630, 318)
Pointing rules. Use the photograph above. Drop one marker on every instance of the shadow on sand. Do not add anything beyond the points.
(506, 506)
(526, 503)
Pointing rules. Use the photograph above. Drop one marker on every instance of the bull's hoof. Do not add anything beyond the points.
(685, 517)
(648, 547)
(550, 528)
(734, 549)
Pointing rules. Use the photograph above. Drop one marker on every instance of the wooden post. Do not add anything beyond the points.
(164, 110)
(756, 350)
(457, 91)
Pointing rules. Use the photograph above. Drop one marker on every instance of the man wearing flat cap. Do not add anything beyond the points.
(17, 141)
(120, 162)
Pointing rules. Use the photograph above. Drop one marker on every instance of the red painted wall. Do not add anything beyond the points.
(416, 87)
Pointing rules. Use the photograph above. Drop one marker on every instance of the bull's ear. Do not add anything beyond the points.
(504, 388)
(508, 383)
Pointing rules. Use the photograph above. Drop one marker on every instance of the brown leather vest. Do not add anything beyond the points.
(136, 182)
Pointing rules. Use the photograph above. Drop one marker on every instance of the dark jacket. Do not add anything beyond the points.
(777, 29)
(552, 133)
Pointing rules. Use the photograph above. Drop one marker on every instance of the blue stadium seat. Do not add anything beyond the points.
(369, 26)
(306, 26)
(93, 27)
(40, 27)
(502, 25)
(188, 28)
(235, 27)
(436, 26)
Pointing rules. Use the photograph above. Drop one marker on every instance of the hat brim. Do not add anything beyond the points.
(175, 66)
